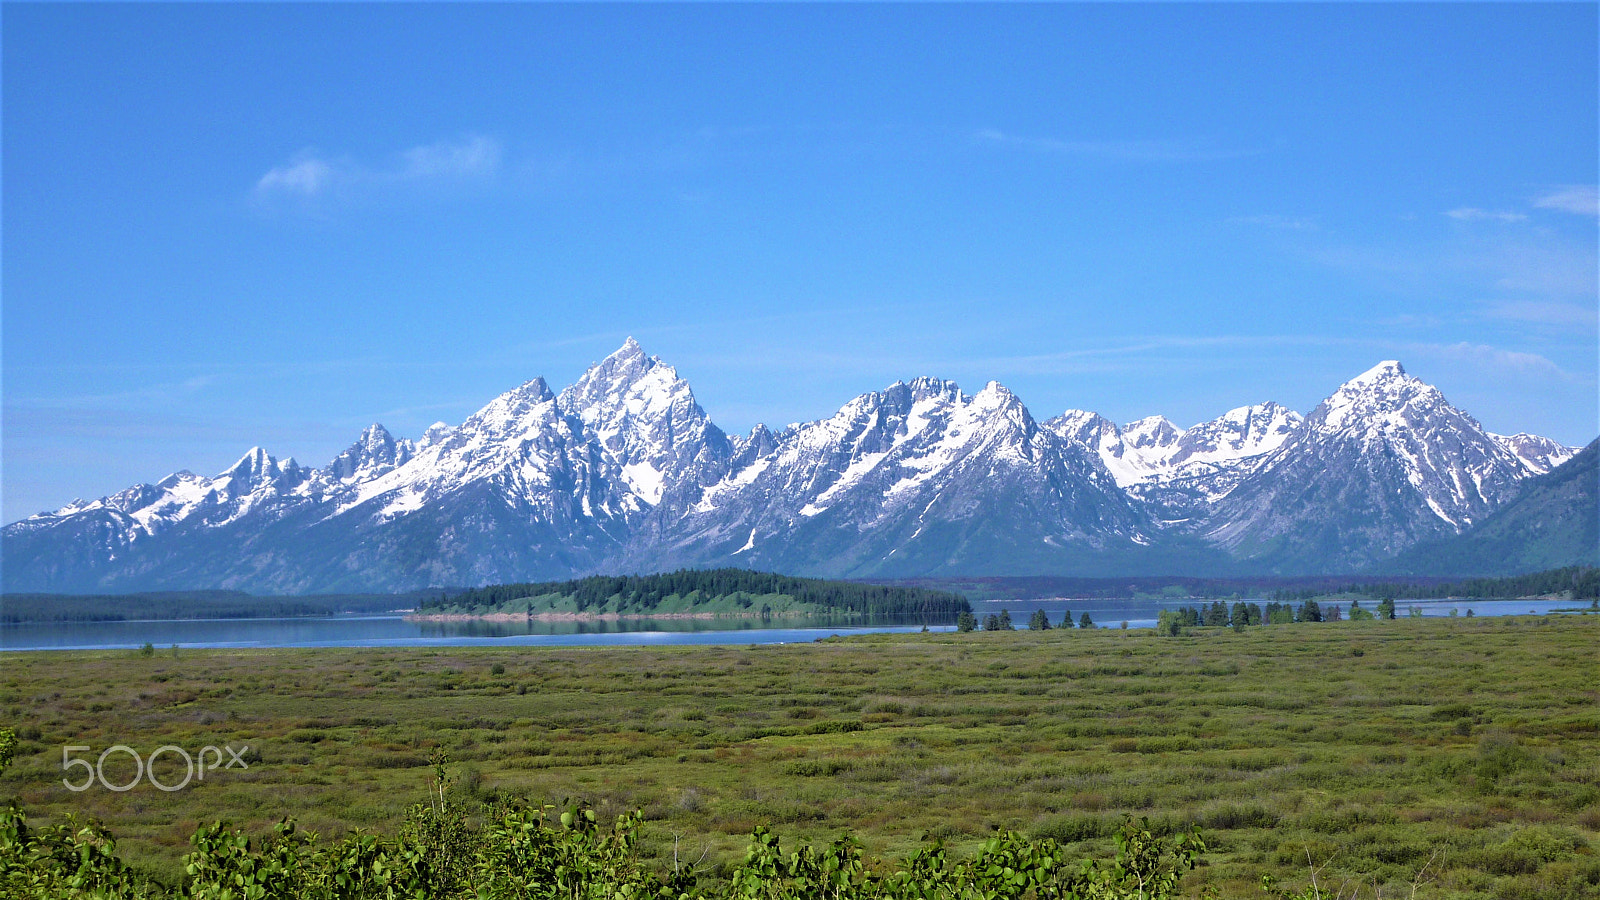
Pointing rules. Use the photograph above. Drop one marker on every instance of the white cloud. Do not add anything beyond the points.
(1483, 356)
(1125, 151)
(1268, 220)
(308, 177)
(1473, 214)
(1556, 313)
(1552, 267)
(1581, 199)
(477, 155)
(474, 156)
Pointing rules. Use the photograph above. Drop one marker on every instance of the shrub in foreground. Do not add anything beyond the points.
(538, 854)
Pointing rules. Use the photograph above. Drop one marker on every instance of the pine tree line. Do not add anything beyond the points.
(1583, 582)
(645, 592)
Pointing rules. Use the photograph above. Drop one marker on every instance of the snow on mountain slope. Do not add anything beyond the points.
(1152, 451)
(918, 471)
(1237, 434)
(1444, 453)
(1381, 464)
(623, 471)
(373, 455)
(255, 482)
(646, 421)
(521, 444)
(1538, 454)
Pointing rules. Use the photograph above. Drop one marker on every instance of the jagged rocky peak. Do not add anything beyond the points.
(436, 433)
(627, 383)
(647, 422)
(1245, 431)
(516, 409)
(995, 396)
(1539, 454)
(256, 468)
(1085, 427)
(630, 385)
(927, 387)
(746, 450)
(254, 462)
(375, 449)
(1151, 432)
(1384, 389)
(1407, 439)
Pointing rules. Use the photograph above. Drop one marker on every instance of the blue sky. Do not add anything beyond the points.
(274, 224)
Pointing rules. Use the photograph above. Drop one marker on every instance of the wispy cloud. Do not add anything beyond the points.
(1408, 320)
(163, 392)
(1138, 352)
(1551, 312)
(1519, 261)
(311, 175)
(308, 177)
(1473, 214)
(477, 155)
(1485, 357)
(1189, 150)
(1550, 266)
(1580, 199)
(1268, 220)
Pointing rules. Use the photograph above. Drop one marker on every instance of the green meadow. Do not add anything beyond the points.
(1457, 756)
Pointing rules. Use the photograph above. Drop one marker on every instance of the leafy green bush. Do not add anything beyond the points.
(521, 852)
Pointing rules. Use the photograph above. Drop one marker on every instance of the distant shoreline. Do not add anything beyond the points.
(577, 617)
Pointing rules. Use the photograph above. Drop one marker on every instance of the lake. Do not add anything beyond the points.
(393, 630)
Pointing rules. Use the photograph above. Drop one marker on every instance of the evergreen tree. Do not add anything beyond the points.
(991, 622)
(1085, 622)
(1039, 621)
(1386, 608)
(1005, 620)
(966, 621)
(1167, 624)
(1216, 615)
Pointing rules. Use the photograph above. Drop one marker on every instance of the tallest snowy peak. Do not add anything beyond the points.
(1379, 394)
(630, 356)
(1383, 371)
(629, 372)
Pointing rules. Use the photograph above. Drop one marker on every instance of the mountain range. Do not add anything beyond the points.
(623, 471)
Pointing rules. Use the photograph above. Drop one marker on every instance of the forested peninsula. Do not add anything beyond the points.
(714, 593)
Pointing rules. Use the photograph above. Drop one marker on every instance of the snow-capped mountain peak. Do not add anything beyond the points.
(373, 454)
(647, 423)
(1384, 440)
(435, 433)
(1539, 454)
(1385, 370)
(623, 471)
(1151, 432)
(1237, 434)
(1383, 390)
(252, 465)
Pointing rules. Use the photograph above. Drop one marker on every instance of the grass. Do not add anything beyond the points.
(1470, 747)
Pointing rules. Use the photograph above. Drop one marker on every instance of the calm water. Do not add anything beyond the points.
(392, 630)
(1143, 613)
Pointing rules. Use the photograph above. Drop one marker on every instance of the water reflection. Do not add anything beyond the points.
(397, 631)
(500, 628)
